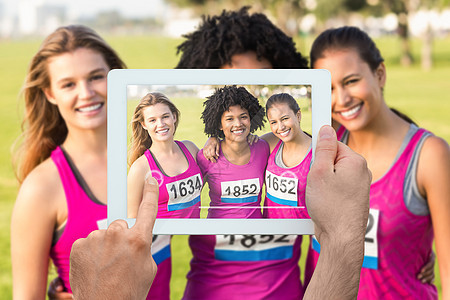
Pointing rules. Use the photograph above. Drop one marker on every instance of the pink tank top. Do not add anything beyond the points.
(82, 216)
(398, 242)
(241, 266)
(235, 190)
(244, 267)
(179, 196)
(285, 188)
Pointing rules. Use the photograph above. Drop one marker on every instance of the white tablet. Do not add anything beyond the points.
(188, 89)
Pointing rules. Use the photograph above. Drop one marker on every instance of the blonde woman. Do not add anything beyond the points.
(173, 163)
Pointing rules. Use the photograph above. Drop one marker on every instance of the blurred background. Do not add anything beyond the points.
(424, 19)
(413, 37)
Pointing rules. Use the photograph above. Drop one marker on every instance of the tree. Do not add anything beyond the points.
(287, 12)
(403, 9)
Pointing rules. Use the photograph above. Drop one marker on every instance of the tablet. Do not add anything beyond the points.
(188, 89)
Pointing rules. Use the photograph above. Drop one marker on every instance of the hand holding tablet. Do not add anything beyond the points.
(97, 260)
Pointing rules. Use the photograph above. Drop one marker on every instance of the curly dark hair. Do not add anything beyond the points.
(220, 102)
(220, 37)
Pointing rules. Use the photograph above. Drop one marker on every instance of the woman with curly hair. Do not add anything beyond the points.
(232, 113)
(236, 39)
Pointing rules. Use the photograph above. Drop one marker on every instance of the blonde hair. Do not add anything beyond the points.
(43, 127)
(140, 140)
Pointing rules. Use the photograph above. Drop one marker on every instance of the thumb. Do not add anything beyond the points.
(148, 208)
(326, 149)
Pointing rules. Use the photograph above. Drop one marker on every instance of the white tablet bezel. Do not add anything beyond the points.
(118, 80)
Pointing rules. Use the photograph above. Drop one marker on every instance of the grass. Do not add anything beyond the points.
(421, 95)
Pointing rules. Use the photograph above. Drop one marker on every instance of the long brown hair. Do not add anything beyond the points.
(141, 140)
(43, 127)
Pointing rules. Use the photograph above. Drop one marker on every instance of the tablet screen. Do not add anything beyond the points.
(221, 197)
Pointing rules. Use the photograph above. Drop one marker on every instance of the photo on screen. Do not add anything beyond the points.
(230, 195)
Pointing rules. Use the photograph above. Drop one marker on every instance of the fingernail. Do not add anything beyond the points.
(326, 132)
(149, 178)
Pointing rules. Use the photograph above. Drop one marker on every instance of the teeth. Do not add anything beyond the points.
(89, 108)
(163, 131)
(238, 131)
(285, 133)
(351, 112)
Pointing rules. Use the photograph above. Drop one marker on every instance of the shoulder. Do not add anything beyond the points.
(193, 149)
(434, 163)
(201, 158)
(140, 167)
(41, 192)
(202, 162)
(43, 180)
(262, 145)
(435, 148)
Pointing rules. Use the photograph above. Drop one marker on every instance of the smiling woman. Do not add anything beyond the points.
(61, 163)
(409, 195)
(155, 151)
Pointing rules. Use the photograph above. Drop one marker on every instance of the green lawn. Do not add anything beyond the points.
(422, 95)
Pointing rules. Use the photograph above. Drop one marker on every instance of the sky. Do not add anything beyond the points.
(128, 8)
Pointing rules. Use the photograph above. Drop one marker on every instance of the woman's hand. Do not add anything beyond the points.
(426, 274)
(252, 139)
(56, 290)
(211, 149)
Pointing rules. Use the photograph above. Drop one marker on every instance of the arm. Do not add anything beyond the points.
(32, 225)
(433, 177)
(135, 185)
(337, 198)
(211, 149)
(116, 263)
(271, 139)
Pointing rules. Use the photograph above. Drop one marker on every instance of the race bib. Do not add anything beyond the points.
(160, 248)
(253, 247)
(184, 193)
(281, 190)
(240, 191)
(370, 241)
